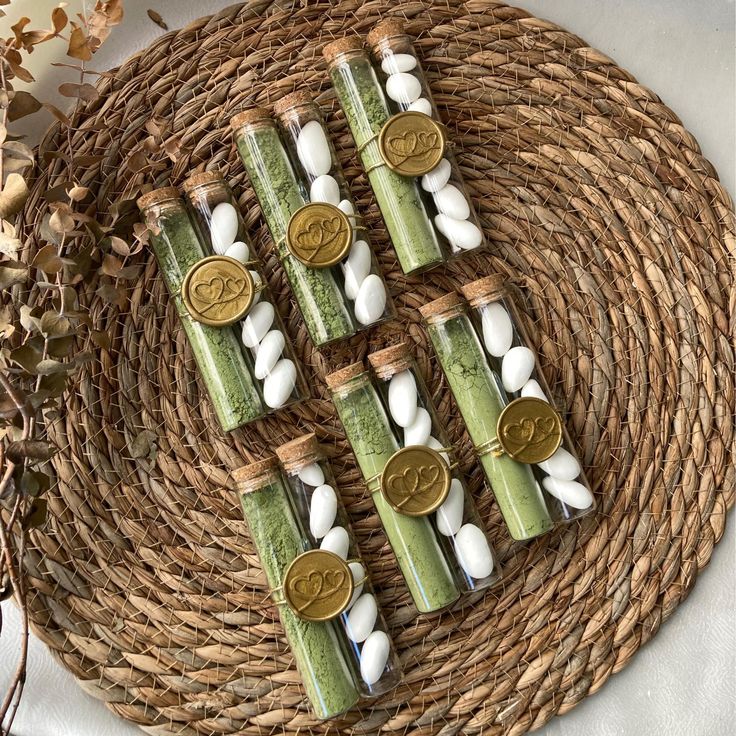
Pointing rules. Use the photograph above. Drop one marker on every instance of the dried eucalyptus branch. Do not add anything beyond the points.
(42, 345)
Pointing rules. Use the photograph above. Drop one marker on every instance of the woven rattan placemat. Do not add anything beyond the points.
(597, 202)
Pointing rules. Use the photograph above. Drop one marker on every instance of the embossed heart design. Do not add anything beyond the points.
(210, 290)
(522, 432)
(545, 425)
(428, 476)
(404, 144)
(406, 484)
(319, 234)
(317, 586)
(427, 141)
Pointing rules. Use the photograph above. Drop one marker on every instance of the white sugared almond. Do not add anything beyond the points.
(461, 233)
(434, 180)
(356, 267)
(371, 300)
(336, 540)
(473, 552)
(562, 465)
(358, 572)
(533, 389)
(394, 63)
(322, 510)
(451, 202)
(223, 227)
(279, 383)
(313, 149)
(417, 433)
(402, 398)
(312, 475)
(238, 250)
(403, 88)
(362, 618)
(498, 332)
(422, 105)
(257, 324)
(570, 492)
(516, 368)
(325, 189)
(450, 514)
(269, 351)
(374, 656)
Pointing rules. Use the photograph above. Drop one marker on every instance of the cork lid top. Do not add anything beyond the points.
(485, 290)
(156, 196)
(251, 115)
(439, 307)
(247, 473)
(341, 377)
(297, 98)
(387, 28)
(201, 178)
(299, 452)
(341, 46)
(392, 360)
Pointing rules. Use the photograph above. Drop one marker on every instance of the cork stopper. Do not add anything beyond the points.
(442, 309)
(298, 98)
(245, 475)
(251, 115)
(200, 179)
(341, 46)
(297, 453)
(390, 361)
(339, 378)
(485, 290)
(157, 196)
(388, 28)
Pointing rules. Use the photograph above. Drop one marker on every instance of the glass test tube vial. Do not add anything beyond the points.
(284, 548)
(481, 398)
(417, 423)
(424, 556)
(494, 312)
(273, 363)
(325, 308)
(222, 363)
(312, 150)
(318, 504)
(407, 90)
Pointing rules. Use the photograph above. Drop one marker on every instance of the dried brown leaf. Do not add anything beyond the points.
(79, 47)
(12, 274)
(119, 245)
(78, 193)
(22, 104)
(157, 19)
(58, 114)
(85, 91)
(33, 450)
(54, 324)
(13, 195)
(47, 259)
(59, 19)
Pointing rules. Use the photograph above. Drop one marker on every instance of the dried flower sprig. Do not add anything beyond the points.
(42, 345)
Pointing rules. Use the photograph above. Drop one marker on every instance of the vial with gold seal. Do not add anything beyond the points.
(316, 498)
(309, 586)
(207, 316)
(309, 246)
(276, 369)
(406, 489)
(532, 428)
(311, 149)
(414, 139)
(417, 426)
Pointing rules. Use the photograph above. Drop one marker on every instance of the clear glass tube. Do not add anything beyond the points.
(495, 315)
(400, 198)
(423, 555)
(319, 292)
(402, 388)
(481, 398)
(312, 151)
(319, 506)
(275, 367)
(225, 368)
(406, 88)
(320, 648)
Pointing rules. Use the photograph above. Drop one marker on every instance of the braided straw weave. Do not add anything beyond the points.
(597, 202)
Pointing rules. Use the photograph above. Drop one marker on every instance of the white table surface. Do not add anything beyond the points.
(683, 682)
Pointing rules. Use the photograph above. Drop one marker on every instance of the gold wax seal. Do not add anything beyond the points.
(318, 585)
(411, 143)
(529, 430)
(319, 234)
(416, 480)
(218, 291)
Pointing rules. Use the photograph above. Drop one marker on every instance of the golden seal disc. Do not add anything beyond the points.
(218, 291)
(411, 143)
(319, 235)
(318, 585)
(416, 480)
(529, 430)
